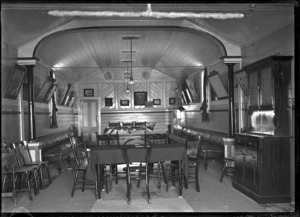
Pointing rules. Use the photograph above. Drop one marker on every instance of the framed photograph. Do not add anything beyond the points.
(65, 95)
(216, 82)
(242, 78)
(14, 82)
(172, 101)
(124, 102)
(108, 101)
(88, 92)
(47, 86)
(156, 102)
(140, 98)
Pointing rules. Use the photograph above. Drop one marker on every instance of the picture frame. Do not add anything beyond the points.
(156, 102)
(216, 82)
(88, 92)
(242, 78)
(140, 98)
(108, 102)
(65, 95)
(47, 86)
(172, 101)
(124, 102)
(14, 82)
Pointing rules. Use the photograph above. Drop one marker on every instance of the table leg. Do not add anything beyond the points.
(180, 179)
(98, 181)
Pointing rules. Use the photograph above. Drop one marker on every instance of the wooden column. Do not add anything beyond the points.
(231, 110)
(230, 62)
(29, 63)
(31, 114)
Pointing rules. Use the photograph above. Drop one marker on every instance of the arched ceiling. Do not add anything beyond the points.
(173, 50)
(170, 50)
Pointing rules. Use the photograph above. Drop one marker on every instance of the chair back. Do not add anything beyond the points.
(9, 160)
(23, 146)
(79, 151)
(114, 139)
(137, 150)
(19, 150)
(195, 148)
(108, 139)
(157, 138)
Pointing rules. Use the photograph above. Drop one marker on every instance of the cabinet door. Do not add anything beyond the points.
(239, 158)
(250, 167)
(266, 89)
(253, 90)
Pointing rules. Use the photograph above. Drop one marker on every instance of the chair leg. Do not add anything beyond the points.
(60, 165)
(74, 183)
(41, 176)
(128, 186)
(116, 173)
(83, 180)
(197, 177)
(167, 174)
(96, 189)
(35, 174)
(111, 168)
(4, 183)
(105, 180)
(28, 185)
(185, 182)
(14, 192)
(147, 184)
(48, 172)
(163, 172)
(223, 172)
(19, 177)
(158, 174)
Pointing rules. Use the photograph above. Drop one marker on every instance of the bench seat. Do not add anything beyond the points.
(56, 147)
(212, 146)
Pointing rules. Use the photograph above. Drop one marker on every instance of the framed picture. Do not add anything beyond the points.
(156, 102)
(65, 95)
(172, 101)
(88, 92)
(140, 98)
(108, 101)
(14, 82)
(124, 102)
(242, 78)
(216, 82)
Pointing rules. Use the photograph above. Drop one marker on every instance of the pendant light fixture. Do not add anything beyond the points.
(131, 37)
(127, 89)
(131, 78)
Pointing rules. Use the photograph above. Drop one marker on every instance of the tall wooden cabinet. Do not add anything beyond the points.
(262, 153)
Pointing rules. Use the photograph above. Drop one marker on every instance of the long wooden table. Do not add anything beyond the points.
(103, 155)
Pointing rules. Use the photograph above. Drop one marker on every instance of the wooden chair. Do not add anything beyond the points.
(81, 159)
(23, 146)
(194, 155)
(16, 173)
(141, 168)
(154, 168)
(110, 139)
(228, 168)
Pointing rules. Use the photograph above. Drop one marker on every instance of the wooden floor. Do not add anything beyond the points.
(214, 197)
